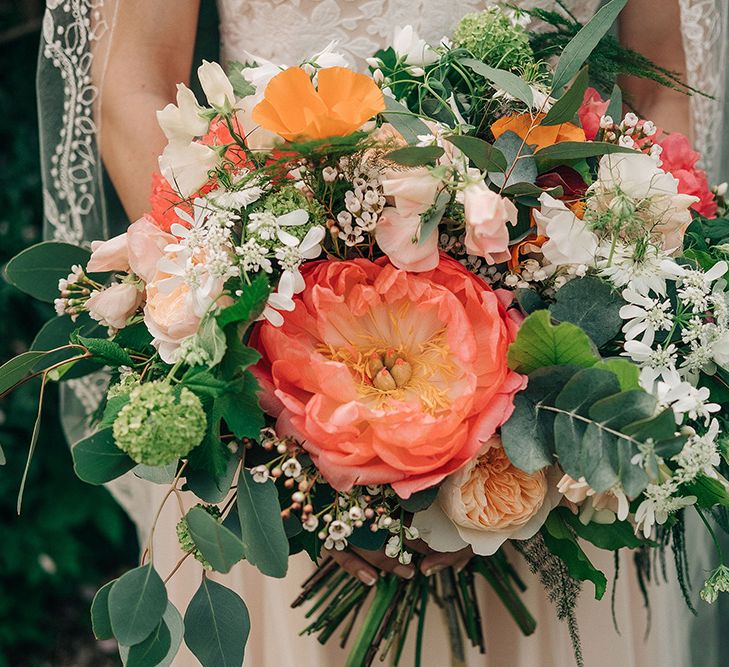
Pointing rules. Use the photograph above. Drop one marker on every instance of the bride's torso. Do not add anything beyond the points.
(287, 31)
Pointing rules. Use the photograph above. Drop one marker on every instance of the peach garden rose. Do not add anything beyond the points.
(388, 376)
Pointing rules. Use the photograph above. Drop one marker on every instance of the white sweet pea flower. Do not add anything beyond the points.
(328, 57)
(182, 122)
(571, 242)
(413, 50)
(185, 165)
(215, 84)
(281, 299)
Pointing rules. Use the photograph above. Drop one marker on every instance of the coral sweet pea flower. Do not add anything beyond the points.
(540, 136)
(294, 109)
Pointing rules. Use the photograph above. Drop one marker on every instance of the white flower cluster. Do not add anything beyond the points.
(363, 203)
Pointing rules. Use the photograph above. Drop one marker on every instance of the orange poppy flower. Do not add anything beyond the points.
(295, 110)
(523, 247)
(540, 136)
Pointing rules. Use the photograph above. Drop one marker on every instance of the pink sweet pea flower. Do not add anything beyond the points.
(487, 214)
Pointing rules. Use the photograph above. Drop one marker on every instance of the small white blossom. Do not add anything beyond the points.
(260, 474)
(291, 468)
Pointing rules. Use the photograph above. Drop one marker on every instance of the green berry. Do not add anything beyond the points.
(159, 424)
(187, 543)
(288, 199)
(493, 39)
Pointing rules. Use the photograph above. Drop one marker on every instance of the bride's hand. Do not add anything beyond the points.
(366, 565)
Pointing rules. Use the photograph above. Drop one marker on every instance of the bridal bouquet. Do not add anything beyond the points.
(462, 302)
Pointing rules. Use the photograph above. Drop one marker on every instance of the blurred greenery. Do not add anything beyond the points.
(71, 537)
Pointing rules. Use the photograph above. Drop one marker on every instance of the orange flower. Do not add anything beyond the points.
(540, 136)
(294, 109)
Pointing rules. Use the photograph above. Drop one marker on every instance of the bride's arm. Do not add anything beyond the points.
(151, 51)
(653, 28)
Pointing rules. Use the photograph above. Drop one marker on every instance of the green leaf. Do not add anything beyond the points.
(211, 339)
(203, 382)
(591, 304)
(482, 154)
(56, 333)
(137, 601)
(575, 150)
(529, 300)
(208, 488)
(156, 474)
(608, 536)
(528, 435)
(100, 621)
(264, 538)
(3, 460)
(404, 121)
(105, 351)
(561, 542)
(539, 343)
(217, 625)
(364, 538)
(241, 410)
(37, 270)
(415, 156)
(211, 455)
(151, 651)
(626, 371)
(419, 501)
(250, 304)
(218, 545)
(430, 220)
(17, 369)
(506, 81)
(112, 408)
(709, 492)
(584, 42)
(565, 108)
(615, 108)
(98, 460)
(173, 620)
(521, 165)
(241, 86)
(133, 337)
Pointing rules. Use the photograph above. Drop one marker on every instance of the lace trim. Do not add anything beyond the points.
(703, 26)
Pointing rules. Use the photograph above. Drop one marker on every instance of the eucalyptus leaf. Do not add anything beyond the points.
(430, 220)
(482, 154)
(100, 621)
(18, 369)
(37, 270)
(615, 107)
(217, 626)
(3, 460)
(565, 108)
(539, 343)
(208, 488)
(137, 601)
(151, 651)
(218, 545)
(503, 80)
(173, 621)
(576, 150)
(156, 474)
(264, 539)
(584, 42)
(521, 167)
(404, 121)
(415, 156)
(97, 459)
(593, 305)
(56, 333)
(419, 501)
(627, 372)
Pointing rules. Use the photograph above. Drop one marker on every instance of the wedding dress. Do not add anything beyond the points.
(285, 31)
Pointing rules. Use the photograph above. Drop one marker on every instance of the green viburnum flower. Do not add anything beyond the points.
(493, 39)
(127, 382)
(159, 425)
(187, 543)
(289, 199)
(717, 583)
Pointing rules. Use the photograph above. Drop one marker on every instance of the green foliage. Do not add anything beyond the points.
(561, 542)
(519, 157)
(565, 108)
(250, 304)
(106, 351)
(137, 601)
(151, 651)
(100, 620)
(415, 156)
(575, 150)
(539, 343)
(483, 155)
(264, 539)
(593, 305)
(217, 625)
(97, 459)
(612, 536)
(37, 270)
(420, 500)
(510, 83)
(407, 124)
(216, 546)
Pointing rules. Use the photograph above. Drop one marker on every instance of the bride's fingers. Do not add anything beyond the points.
(384, 562)
(435, 562)
(356, 566)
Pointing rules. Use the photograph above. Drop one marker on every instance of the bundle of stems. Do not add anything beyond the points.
(398, 605)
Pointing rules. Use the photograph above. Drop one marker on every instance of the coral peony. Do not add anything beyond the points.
(388, 376)
(592, 109)
(680, 160)
(342, 103)
(487, 502)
